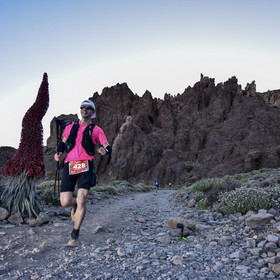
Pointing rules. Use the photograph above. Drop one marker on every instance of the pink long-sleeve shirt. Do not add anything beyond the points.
(78, 152)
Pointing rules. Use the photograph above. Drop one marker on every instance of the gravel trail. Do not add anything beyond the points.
(126, 237)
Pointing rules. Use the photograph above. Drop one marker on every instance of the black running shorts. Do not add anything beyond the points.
(85, 179)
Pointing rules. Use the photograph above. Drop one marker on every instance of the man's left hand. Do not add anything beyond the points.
(101, 151)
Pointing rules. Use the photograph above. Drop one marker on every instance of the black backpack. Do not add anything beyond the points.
(87, 142)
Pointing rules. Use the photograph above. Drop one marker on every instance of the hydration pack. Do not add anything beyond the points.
(87, 142)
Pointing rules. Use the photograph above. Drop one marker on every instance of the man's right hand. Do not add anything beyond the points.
(57, 156)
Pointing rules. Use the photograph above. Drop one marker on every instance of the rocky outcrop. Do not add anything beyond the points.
(225, 129)
(221, 128)
(273, 98)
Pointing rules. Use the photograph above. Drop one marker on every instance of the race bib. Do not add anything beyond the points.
(78, 166)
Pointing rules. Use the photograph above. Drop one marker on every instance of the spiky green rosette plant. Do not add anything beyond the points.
(27, 164)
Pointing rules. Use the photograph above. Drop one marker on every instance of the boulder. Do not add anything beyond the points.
(43, 218)
(259, 219)
(172, 223)
(276, 268)
(4, 214)
(192, 203)
(15, 219)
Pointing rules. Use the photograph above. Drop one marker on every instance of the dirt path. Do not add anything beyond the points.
(23, 248)
(124, 213)
(126, 237)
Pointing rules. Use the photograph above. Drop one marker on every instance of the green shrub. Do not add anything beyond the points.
(269, 182)
(260, 171)
(202, 205)
(211, 188)
(183, 189)
(201, 186)
(116, 187)
(121, 186)
(243, 177)
(219, 186)
(50, 198)
(245, 199)
(142, 187)
(46, 185)
(106, 189)
(197, 196)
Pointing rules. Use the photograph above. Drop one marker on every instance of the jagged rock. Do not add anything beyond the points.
(140, 220)
(259, 219)
(273, 260)
(250, 89)
(164, 239)
(192, 203)
(273, 98)
(177, 260)
(256, 251)
(270, 247)
(221, 128)
(201, 227)
(277, 227)
(4, 214)
(272, 238)
(237, 255)
(276, 268)
(99, 229)
(43, 218)
(15, 219)
(226, 240)
(251, 242)
(242, 269)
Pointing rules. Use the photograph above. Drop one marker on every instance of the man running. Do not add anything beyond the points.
(78, 140)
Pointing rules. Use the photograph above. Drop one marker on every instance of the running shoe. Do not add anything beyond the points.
(73, 242)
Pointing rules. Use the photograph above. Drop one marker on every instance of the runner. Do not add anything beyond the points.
(157, 184)
(78, 141)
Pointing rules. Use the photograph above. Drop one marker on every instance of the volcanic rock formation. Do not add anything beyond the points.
(220, 128)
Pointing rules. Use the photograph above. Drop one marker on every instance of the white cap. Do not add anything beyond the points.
(91, 104)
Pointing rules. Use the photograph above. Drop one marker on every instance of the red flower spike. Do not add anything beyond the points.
(30, 154)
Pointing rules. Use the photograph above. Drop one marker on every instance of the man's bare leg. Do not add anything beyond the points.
(81, 207)
(67, 199)
(80, 211)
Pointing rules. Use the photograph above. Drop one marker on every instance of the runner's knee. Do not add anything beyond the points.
(65, 200)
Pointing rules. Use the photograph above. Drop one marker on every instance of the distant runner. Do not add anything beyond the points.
(157, 184)
(78, 140)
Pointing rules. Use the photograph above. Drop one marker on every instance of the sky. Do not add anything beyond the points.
(156, 45)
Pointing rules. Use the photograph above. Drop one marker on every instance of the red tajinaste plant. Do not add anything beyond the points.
(29, 156)
(27, 164)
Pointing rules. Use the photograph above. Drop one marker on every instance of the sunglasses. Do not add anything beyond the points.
(86, 107)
